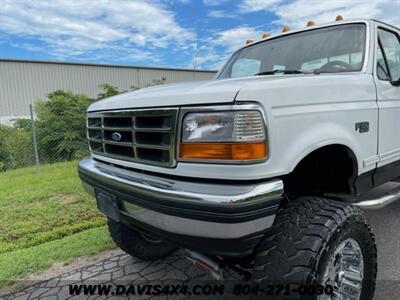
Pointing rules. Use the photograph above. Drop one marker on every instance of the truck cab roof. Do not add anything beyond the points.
(367, 21)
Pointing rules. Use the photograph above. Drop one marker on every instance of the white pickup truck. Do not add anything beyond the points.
(260, 169)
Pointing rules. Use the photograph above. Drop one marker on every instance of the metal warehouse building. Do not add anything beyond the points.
(24, 81)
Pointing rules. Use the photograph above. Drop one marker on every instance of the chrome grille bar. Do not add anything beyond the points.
(145, 136)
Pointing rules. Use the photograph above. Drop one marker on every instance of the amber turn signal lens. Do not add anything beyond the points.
(223, 151)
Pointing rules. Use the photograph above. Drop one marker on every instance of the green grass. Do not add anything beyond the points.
(46, 217)
(18, 263)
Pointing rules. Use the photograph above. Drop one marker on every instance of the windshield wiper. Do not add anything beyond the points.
(284, 72)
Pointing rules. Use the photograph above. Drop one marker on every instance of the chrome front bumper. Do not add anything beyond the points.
(227, 210)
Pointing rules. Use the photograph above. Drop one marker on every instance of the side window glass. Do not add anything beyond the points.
(391, 50)
(382, 71)
(356, 58)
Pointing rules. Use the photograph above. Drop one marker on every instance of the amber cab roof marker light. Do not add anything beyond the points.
(310, 23)
(266, 35)
(249, 42)
(285, 29)
(339, 18)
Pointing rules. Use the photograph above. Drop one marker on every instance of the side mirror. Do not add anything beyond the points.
(395, 82)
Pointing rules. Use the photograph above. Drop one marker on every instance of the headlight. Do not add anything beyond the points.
(229, 135)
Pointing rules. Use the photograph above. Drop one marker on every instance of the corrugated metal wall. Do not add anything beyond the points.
(22, 82)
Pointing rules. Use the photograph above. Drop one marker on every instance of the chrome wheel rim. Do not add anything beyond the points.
(345, 271)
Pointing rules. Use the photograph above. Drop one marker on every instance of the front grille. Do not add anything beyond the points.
(144, 136)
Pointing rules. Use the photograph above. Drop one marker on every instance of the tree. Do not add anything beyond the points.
(108, 90)
(5, 153)
(23, 124)
(155, 82)
(61, 128)
(15, 147)
(133, 88)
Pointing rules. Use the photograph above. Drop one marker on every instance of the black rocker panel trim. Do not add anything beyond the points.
(377, 177)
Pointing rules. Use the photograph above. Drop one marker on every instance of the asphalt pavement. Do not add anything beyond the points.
(385, 223)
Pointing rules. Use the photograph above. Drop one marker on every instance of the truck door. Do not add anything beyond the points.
(388, 93)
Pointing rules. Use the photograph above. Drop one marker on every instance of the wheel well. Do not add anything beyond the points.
(331, 169)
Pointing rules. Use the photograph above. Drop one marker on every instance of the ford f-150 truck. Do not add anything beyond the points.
(262, 169)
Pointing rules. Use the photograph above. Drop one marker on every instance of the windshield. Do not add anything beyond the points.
(326, 50)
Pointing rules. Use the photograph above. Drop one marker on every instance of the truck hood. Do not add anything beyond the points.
(188, 93)
(278, 87)
(199, 92)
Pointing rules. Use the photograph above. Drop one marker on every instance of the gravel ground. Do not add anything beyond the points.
(385, 222)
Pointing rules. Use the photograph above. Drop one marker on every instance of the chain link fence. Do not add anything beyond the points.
(16, 143)
(31, 142)
(53, 132)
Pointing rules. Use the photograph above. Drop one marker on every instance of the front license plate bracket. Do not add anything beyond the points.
(108, 204)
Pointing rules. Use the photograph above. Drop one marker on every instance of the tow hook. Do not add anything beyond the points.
(205, 264)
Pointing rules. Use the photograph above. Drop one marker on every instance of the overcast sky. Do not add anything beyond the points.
(161, 32)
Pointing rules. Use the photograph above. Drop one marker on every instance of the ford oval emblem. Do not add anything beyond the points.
(116, 136)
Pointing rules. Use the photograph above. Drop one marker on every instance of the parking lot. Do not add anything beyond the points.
(386, 224)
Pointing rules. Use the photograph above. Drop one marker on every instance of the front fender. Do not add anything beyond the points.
(317, 137)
